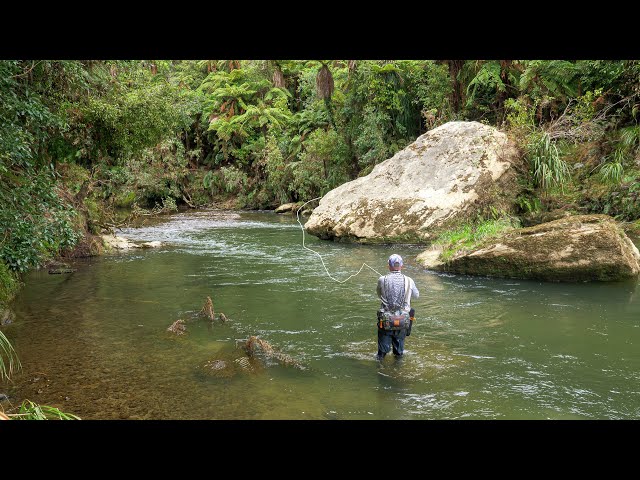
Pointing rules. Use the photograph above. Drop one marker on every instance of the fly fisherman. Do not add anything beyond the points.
(395, 316)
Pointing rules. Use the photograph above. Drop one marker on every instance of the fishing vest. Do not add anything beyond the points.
(396, 318)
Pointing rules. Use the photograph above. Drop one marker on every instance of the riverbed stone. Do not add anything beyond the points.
(60, 270)
(154, 244)
(118, 243)
(578, 248)
(446, 176)
(6, 316)
(287, 207)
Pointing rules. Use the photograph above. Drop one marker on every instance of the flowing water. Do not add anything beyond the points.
(95, 342)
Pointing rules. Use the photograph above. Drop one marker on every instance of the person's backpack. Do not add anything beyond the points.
(396, 318)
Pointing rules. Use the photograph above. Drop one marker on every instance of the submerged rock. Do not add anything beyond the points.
(154, 244)
(447, 175)
(178, 327)
(571, 249)
(6, 316)
(259, 348)
(230, 364)
(59, 270)
(56, 267)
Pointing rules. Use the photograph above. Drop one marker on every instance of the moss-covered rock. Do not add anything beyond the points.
(571, 249)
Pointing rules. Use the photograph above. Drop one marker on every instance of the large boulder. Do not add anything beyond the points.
(571, 249)
(446, 176)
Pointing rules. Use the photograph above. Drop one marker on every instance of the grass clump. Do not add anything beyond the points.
(470, 235)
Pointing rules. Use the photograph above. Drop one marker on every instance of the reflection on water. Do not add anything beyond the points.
(95, 342)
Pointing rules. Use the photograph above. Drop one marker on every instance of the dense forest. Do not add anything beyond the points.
(83, 141)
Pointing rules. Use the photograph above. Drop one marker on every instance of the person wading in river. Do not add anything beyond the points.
(395, 316)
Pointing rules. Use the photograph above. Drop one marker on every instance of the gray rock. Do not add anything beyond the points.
(446, 176)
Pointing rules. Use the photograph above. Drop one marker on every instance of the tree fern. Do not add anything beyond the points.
(487, 77)
(549, 77)
(324, 82)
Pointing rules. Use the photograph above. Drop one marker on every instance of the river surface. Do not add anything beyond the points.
(95, 342)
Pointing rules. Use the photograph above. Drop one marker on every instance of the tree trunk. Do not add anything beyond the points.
(505, 66)
(457, 96)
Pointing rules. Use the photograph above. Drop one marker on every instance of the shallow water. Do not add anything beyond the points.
(95, 342)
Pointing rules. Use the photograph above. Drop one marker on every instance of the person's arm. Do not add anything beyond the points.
(414, 290)
(379, 287)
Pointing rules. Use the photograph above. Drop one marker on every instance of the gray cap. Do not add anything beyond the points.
(395, 260)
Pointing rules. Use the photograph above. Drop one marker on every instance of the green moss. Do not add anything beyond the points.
(73, 176)
(94, 214)
(471, 235)
(9, 284)
(124, 199)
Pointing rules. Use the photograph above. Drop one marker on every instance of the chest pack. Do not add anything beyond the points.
(396, 318)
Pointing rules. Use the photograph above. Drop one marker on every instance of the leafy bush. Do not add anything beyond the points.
(36, 222)
(9, 284)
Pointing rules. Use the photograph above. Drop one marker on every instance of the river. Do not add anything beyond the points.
(95, 342)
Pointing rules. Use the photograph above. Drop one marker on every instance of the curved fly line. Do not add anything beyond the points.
(320, 256)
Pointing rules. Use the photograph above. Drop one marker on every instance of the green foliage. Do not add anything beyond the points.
(124, 199)
(520, 115)
(32, 411)
(469, 235)
(231, 180)
(611, 172)
(9, 284)
(528, 203)
(9, 362)
(430, 87)
(630, 139)
(548, 168)
(371, 145)
(549, 79)
(241, 105)
(278, 175)
(128, 120)
(485, 88)
(322, 167)
(36, 222)
(621, 200)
